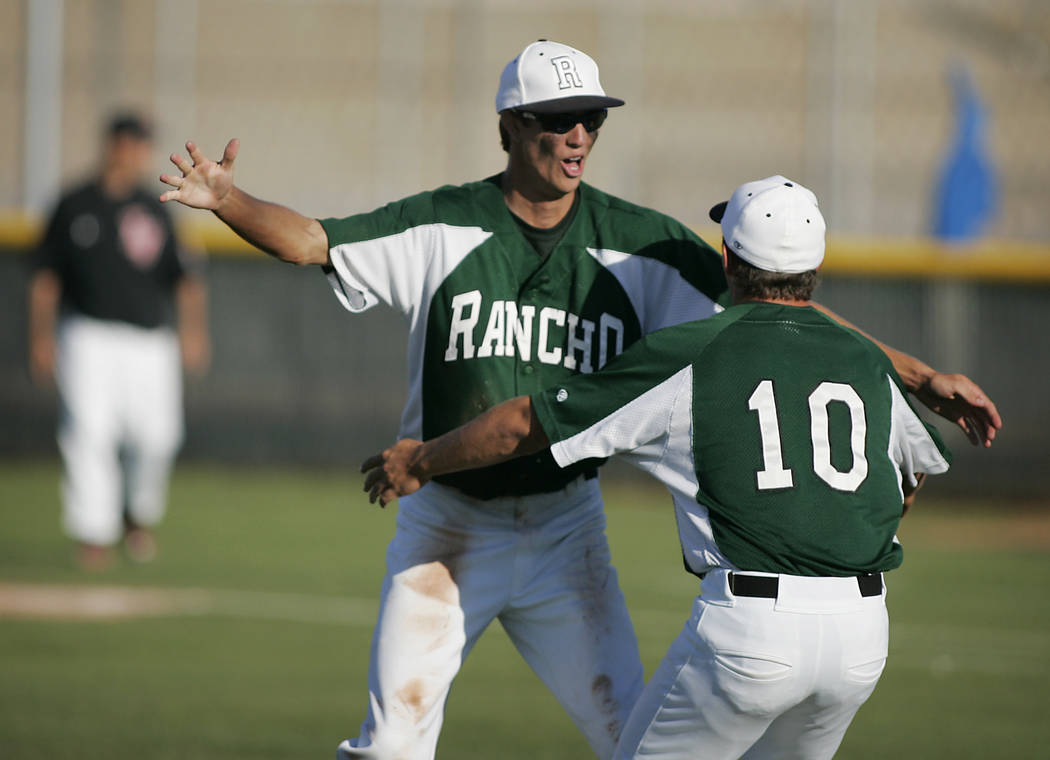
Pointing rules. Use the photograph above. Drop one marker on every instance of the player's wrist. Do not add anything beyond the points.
(225, 204)
(419, 463)
(915, 374)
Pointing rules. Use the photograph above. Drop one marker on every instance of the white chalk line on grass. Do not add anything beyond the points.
(85, 603)
(942, 650)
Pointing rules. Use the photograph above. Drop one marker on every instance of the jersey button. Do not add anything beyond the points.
(528, 369)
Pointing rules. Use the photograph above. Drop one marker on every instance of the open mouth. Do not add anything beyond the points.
(573, 166)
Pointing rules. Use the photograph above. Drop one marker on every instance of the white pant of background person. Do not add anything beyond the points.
(121, 390)
(782, 676)
(538, 563)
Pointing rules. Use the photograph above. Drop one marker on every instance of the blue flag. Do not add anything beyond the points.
(967, 189)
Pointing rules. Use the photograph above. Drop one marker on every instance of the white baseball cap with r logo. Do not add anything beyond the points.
(549, 77)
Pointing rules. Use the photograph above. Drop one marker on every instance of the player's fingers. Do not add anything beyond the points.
(195, 153)
(170, 195)
(985, 431)
(373, 461)
(230, 153)
(373, 477)
(972, 393)
(382, 495)
(990, 412)
(181, 163)
(167, 179)
(969, 426)
(982, 419)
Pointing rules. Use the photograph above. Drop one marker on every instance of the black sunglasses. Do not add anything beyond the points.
(560, 123)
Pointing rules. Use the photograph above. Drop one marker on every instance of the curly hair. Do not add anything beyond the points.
(749, 282)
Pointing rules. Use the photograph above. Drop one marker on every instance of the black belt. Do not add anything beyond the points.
(766, 587)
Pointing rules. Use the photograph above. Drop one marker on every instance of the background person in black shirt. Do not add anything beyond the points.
(112, 298)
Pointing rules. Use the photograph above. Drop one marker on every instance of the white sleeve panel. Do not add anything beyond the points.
(675, 466)
(911, 447)
(659, 294)
(662, 421)
(405, 271)
(641, 427)
(402, 270)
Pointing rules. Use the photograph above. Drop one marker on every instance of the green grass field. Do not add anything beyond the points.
(264, 595)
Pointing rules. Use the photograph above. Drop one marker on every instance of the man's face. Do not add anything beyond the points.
(547, 159)
(130, 155)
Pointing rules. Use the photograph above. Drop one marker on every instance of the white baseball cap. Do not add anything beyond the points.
(549, 77)
(773, 224)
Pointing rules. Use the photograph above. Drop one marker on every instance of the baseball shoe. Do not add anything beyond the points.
(93, 558)
(140, 545)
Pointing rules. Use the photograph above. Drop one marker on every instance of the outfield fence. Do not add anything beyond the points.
(296, 379)
(343, 105)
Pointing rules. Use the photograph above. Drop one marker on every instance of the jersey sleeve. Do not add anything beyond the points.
(915, 445)
(674, 277)
(380, 256)
(627, 406)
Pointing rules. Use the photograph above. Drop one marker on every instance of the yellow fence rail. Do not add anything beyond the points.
(995, 261)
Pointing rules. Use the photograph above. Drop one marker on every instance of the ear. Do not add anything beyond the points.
(725, 255)
(511, 124)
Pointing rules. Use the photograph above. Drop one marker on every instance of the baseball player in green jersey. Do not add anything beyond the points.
(508, 285)
(790, 449)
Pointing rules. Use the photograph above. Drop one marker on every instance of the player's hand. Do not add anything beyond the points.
(389, 473)
(204, 183)
(959, 399)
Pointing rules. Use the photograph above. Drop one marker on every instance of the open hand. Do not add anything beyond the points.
(390, 472)
(204, 183)
(959, 399)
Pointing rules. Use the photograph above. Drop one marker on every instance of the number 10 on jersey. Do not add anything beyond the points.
(773, 474)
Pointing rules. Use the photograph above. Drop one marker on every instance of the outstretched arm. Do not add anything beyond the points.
(45, 292)
(504, 432)
(955, 397)
(276, 229)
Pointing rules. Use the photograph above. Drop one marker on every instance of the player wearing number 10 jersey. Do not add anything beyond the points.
(790, 448)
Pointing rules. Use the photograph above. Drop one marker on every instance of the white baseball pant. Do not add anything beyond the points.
(120, 388)
(538, 563)
(758, 678)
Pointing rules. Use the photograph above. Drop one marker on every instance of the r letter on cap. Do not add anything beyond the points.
(568, 76)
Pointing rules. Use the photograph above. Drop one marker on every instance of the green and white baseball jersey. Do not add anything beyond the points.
(783, 437)
(489, 319)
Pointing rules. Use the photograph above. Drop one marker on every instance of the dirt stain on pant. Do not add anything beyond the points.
(413, 696)
(602, 689)
(433, 627)
(434, 580)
